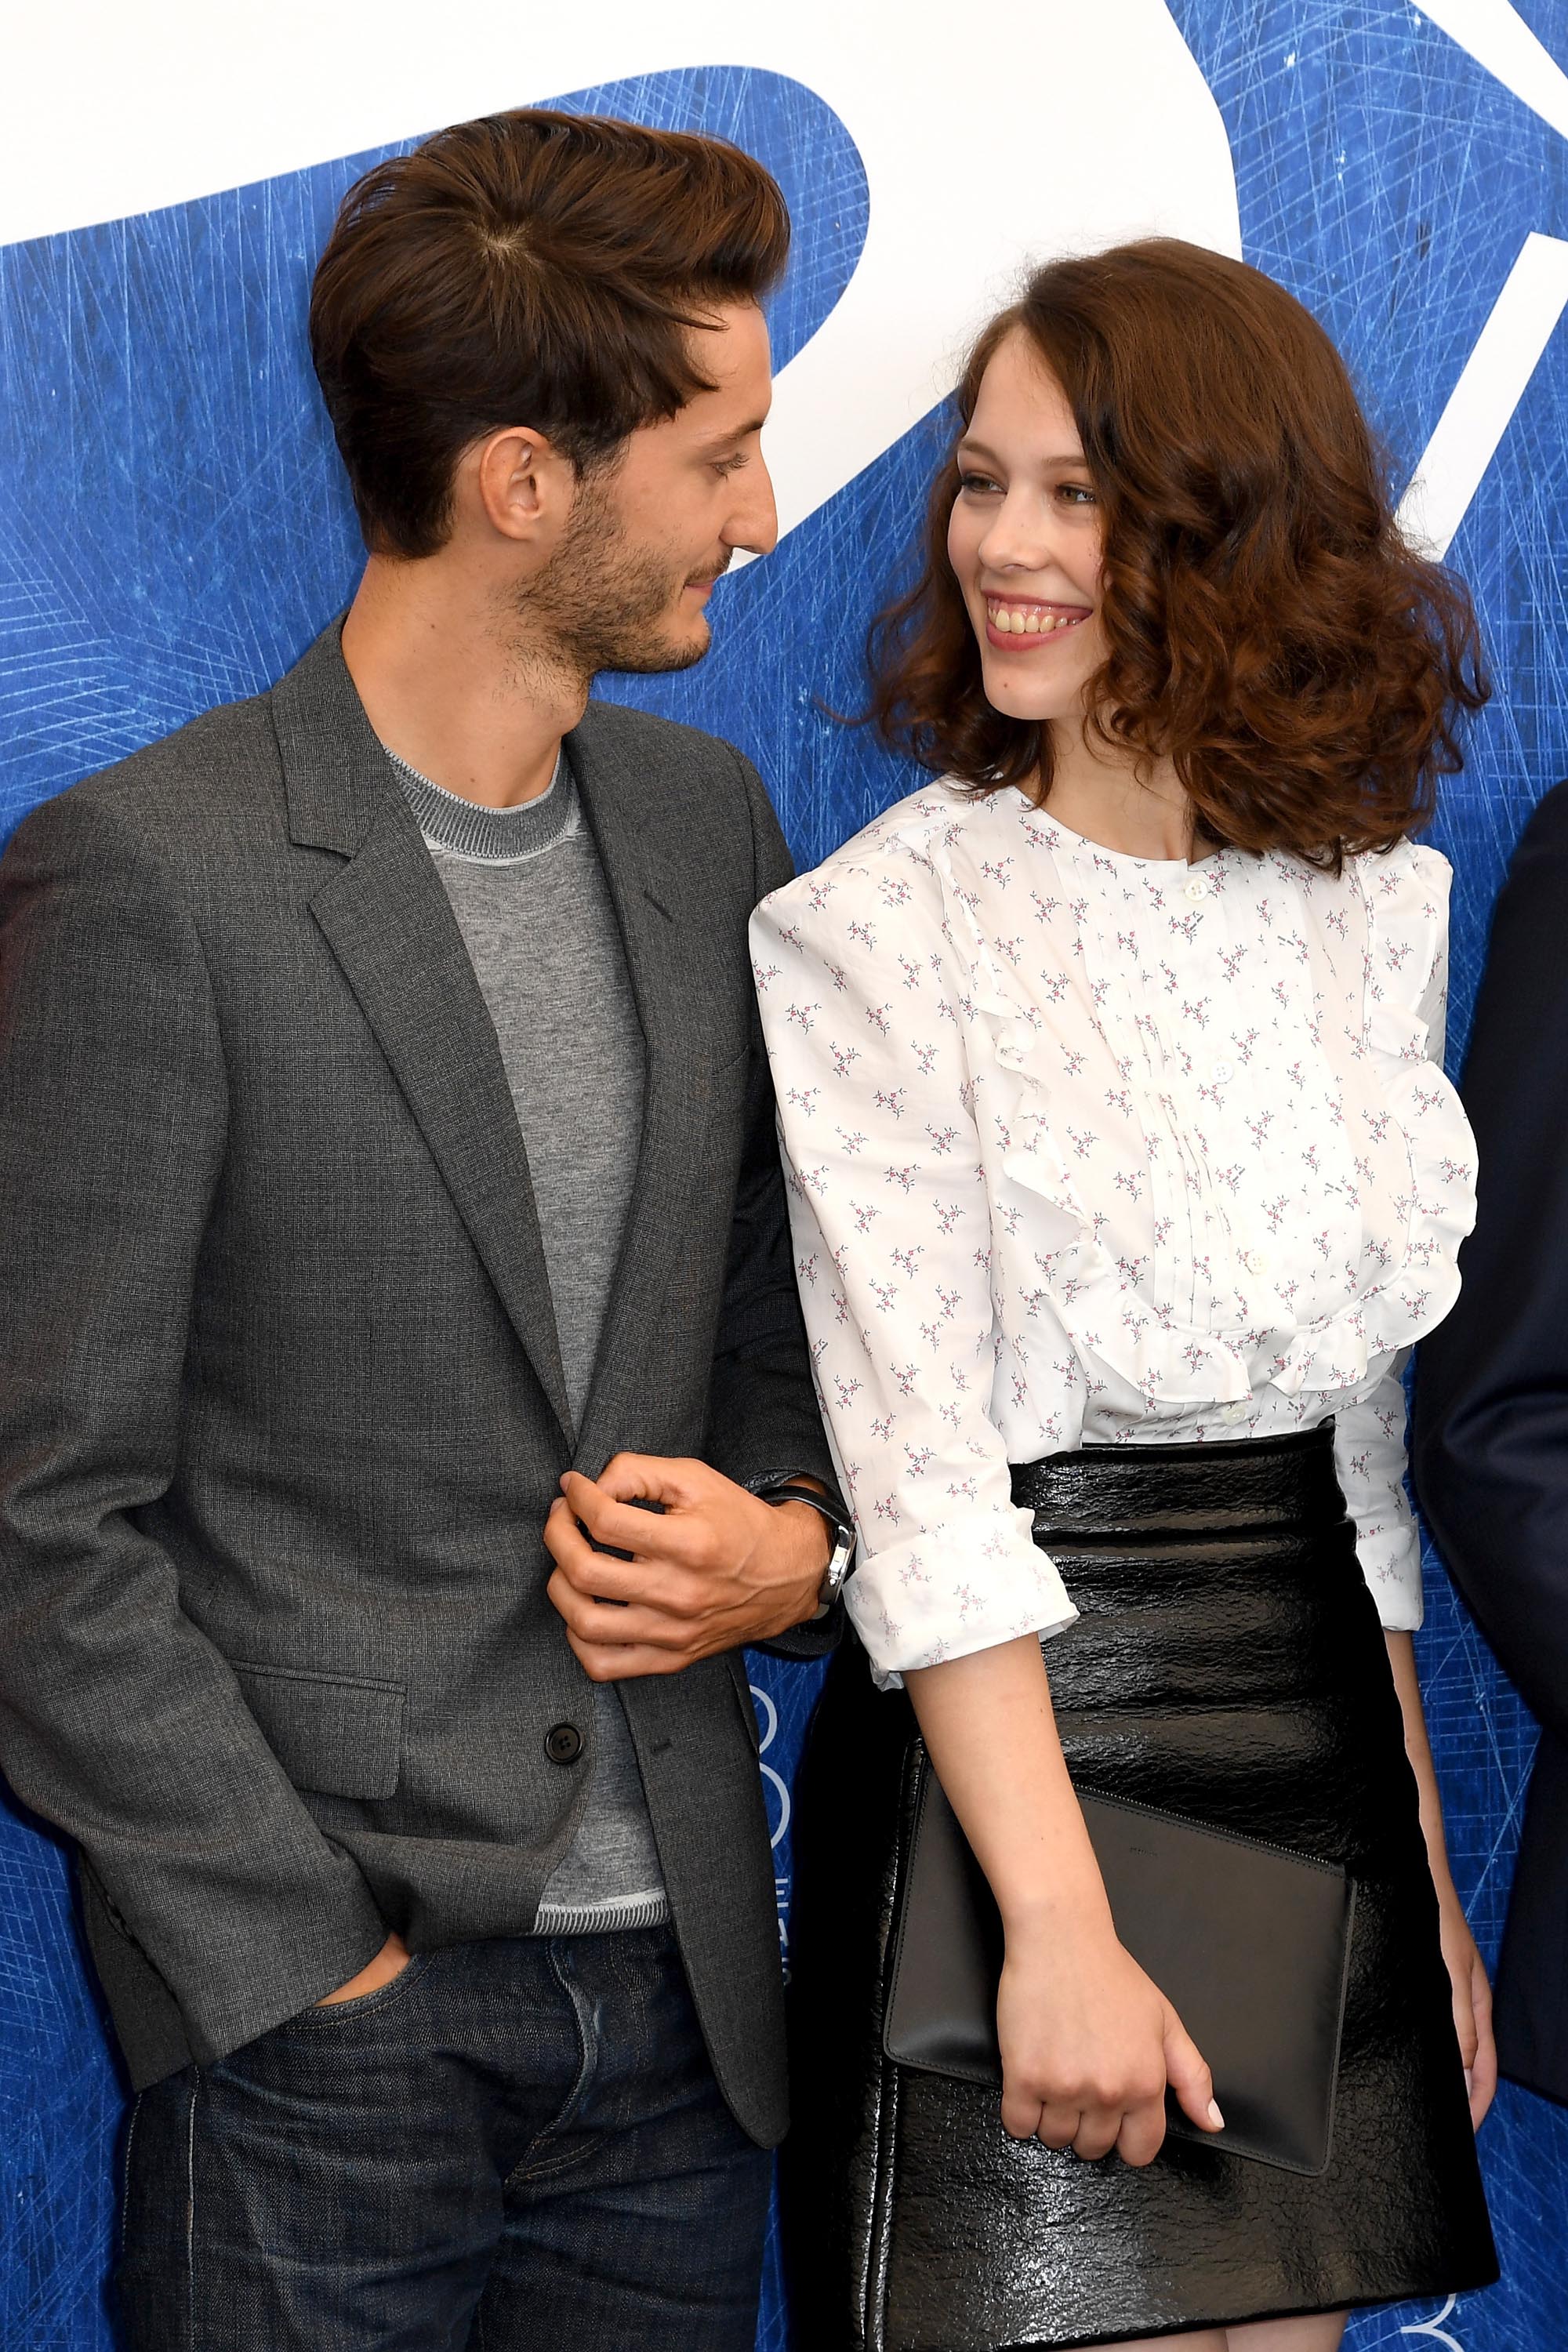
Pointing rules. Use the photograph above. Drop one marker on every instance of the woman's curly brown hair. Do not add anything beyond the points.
(1269, 630)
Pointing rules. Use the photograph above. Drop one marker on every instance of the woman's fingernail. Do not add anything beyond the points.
(1467, 2082)
(1214, 2116)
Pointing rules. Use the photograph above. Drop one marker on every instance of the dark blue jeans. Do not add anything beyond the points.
(515, 2144)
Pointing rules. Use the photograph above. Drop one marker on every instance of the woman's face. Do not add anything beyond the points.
(1025, 541)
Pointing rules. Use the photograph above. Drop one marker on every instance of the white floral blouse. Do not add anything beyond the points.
(1084, 1148)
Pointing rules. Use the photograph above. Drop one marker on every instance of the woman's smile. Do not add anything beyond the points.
(1021, 624)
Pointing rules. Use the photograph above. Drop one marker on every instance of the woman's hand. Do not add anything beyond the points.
(1472, 2003)
(1089, 2044)
(1467, 1974)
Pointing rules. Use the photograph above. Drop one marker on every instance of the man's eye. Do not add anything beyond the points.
(731, 465)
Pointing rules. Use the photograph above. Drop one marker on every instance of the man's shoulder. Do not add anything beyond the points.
(204, 782)
(665, 743)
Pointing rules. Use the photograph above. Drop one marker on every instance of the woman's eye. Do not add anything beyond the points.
(975, 482)
(1075, 494)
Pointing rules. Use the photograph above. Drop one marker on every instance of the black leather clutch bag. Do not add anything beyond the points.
(1249, 1944)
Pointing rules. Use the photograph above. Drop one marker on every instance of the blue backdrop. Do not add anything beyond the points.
(173, 531)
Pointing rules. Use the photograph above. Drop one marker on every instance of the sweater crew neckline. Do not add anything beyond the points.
(491, 836)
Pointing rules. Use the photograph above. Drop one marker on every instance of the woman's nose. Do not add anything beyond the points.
(1017, 541)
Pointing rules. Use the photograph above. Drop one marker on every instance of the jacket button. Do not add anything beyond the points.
(564, 1743)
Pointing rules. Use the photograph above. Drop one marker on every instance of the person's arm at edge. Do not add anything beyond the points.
(120, 1722)
(1491, 1428)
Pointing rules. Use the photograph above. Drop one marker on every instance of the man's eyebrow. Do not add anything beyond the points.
(736, 433)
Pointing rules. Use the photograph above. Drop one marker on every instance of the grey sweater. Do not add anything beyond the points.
(531, 902)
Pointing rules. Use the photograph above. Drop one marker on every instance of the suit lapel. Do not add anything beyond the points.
(647, 889)
(387, 919)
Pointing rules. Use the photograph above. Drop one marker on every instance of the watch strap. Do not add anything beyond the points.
(796, 1490)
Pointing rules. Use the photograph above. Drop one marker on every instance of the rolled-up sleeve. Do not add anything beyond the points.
(1371, 1453)
(892, 1230)
(1369, 1457)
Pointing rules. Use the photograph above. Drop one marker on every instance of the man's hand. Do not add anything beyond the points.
(389, 1962)
(713, 1569)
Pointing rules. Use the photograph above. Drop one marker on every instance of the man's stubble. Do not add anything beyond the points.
(599, 603)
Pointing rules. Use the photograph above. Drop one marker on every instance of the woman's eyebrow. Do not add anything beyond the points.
(967, 448)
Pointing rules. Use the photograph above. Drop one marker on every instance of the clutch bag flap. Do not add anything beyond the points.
(1248, 1942)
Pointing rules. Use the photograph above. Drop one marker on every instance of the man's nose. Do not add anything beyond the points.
(754, 525)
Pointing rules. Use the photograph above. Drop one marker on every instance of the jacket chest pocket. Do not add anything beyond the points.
(336, 1735)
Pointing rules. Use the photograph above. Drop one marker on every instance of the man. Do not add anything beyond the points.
(401, 1338)
(1491, 1410)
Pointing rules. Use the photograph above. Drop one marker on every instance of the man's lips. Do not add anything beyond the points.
(1022, 623)
(703, 584)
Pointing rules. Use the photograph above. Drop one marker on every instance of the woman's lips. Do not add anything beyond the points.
(1019, 624)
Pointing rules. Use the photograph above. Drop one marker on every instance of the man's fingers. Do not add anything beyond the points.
(660, 1585)
(1186, 2071)
(657, 1478)
(618, 1623)
(649, 1535)
(622, 1661)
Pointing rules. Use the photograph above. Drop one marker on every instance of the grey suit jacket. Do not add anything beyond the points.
(281, 1404)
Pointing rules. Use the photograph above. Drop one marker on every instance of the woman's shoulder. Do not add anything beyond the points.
(1409, 882)
(890, 863)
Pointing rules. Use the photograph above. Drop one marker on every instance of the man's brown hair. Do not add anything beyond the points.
(1267, 627)
(532, 268)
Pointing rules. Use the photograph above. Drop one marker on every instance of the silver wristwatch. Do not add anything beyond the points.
(796, 1490)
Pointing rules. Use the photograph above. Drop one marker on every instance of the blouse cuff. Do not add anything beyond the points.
(950, 1591)
(1389, 1551)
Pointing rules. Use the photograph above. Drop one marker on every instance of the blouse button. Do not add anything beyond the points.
(1224, 1070)
(1195, 890)
(1255, 1261)
(1233, 1413)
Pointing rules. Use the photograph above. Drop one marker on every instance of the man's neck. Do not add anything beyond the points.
(444, 690)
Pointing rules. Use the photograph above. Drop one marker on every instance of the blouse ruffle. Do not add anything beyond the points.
(1177, 1363)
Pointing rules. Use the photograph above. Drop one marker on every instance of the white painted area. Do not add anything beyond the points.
(1431, 2329)
(1497, 38)
(1083, 126)
(1491, 384)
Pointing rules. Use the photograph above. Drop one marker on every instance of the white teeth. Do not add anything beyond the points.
(1021, 621)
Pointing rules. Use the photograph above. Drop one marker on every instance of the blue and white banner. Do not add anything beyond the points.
(173, 530)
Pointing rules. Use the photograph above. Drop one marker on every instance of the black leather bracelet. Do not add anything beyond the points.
(796, 1490)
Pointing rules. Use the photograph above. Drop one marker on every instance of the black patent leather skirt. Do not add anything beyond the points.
(1228, 1663)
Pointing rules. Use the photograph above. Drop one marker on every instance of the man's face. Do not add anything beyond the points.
(650, 533)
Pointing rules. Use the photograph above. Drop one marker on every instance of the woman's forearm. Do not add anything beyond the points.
(991, 1734)
(1418, 1748)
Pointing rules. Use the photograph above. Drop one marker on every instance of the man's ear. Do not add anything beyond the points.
(520, 484)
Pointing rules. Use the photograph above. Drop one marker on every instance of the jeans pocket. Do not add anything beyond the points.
(326, 2014)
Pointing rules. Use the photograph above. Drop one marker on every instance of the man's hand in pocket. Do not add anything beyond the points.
(389, 1962)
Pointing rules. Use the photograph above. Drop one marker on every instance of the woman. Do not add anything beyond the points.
(1123, 1173)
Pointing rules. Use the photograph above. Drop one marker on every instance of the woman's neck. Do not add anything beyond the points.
(1137, 807)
